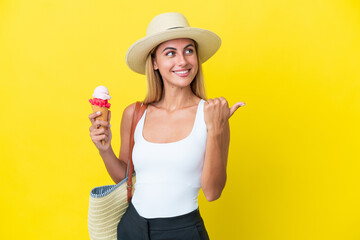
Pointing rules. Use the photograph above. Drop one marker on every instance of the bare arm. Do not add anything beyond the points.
(113, 165)
(213, 178)
(216, 114)
(125, 137)
(116, 167)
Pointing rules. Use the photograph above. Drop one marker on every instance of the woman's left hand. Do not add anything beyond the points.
(217, 113)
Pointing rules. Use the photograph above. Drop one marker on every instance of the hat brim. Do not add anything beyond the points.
(208, 44)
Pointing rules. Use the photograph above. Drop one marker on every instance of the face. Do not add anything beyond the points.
(176, 61)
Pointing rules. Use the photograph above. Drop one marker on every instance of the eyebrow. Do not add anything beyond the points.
(175, 48)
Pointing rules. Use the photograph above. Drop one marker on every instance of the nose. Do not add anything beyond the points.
(182, 60)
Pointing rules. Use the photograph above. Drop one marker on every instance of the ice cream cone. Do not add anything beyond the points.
(100, 103)
(103, 116)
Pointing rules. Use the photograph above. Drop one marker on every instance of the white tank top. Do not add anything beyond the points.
(168, 174)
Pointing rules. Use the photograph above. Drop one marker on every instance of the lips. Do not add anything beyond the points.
(182, 73)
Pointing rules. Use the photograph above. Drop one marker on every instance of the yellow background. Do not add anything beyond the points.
(293, 167)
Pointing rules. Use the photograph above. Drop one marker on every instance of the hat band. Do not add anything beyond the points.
(174, 28)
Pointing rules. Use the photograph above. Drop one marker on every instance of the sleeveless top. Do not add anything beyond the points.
(168, 174)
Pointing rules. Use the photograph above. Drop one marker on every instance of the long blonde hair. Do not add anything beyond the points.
(156, 85)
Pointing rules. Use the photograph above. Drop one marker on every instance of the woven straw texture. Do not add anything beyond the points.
(107, 205)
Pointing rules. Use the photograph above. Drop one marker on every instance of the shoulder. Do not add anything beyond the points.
(128, 115)
(129, 110)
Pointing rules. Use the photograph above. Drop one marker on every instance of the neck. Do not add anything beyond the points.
(174, 98)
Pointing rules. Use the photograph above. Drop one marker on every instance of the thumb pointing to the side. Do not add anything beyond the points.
(235, 107)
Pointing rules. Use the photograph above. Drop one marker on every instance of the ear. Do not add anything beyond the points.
(155, 66)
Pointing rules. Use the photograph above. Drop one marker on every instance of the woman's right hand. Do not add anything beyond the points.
(98, 133)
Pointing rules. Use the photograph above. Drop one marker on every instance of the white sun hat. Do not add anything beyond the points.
(167, 26)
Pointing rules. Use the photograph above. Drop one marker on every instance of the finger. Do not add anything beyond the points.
(235, 107)
(223, 101)
(94, 126)
(98, 131)
(106, 132)
(101, 131)
(222, 98)
(93, 116)
(109, 115)
(99, 137)
(103, 123)
(95, 133)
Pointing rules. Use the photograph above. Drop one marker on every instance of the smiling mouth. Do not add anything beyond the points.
(182, 72)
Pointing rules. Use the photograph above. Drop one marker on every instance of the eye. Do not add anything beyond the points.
(167, 54)
(191, 51)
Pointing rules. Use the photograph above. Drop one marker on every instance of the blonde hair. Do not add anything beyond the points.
(156, 85)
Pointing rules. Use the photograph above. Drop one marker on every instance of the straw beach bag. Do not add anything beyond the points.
(108, 203)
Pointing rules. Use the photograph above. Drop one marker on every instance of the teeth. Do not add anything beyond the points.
(183, 71)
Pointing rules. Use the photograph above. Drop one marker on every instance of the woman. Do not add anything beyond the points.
(182, 139)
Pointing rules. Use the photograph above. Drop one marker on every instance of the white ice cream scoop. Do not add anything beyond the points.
(101, 92)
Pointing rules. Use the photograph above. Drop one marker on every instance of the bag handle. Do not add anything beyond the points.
(138, 112)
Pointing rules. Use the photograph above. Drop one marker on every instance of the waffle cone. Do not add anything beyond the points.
(103, 116)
